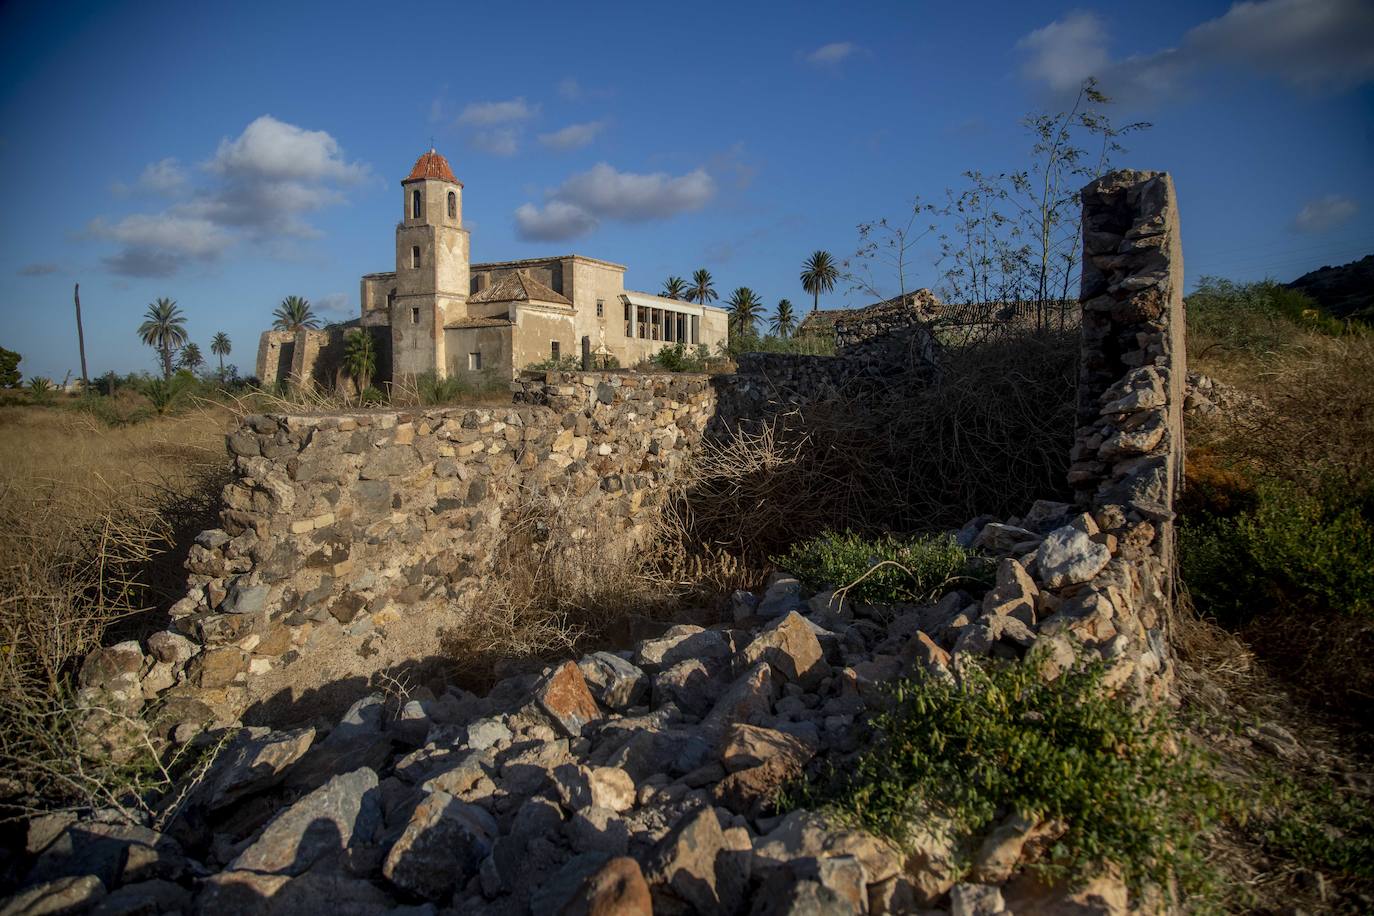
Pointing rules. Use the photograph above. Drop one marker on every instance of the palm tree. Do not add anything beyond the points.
(818, 276)
(784, 322)
(674, 288)
(294, 314)
(220, 346)
(701, 289)
(190, 357)
(745, 310)
(164, 329)
(360, 358)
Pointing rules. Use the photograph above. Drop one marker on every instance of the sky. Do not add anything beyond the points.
(229, 155)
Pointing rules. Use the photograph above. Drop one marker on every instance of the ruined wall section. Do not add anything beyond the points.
(1128, 450)
(349, 520)
(1100, 574)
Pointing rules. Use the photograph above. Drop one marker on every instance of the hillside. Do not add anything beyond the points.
(1344, 292)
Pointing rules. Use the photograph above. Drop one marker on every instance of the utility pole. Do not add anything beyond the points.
(81, 340)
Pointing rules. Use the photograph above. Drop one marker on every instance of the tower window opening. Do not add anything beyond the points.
(600, 307)
(475, 361)
(415, 204)
(415, 315)
(415, 256)
(553, 350)
(452, 205)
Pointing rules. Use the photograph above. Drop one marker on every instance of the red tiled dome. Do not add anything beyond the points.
(431, 165)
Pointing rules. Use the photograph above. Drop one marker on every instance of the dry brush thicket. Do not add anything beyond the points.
(991, 432)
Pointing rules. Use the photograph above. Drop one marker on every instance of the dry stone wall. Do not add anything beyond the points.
(349, 520)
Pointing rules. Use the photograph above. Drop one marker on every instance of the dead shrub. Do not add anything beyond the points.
(557, 586)
(991, 433)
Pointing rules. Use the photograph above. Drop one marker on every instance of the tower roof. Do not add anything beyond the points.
(431, 165)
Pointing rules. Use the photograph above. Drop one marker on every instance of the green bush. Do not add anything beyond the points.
(1318, 826)
(1289, 546)
(372, 396)
(1004, 740)
(678, 358)
(560, 364)
(892, 569)
(1255, 317)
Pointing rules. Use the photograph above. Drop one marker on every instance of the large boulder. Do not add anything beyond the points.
(441, 848)
(343, 812)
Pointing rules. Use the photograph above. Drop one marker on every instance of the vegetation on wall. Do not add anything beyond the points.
(1003, 740)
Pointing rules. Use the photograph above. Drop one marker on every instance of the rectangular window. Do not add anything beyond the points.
(628, 327)
(553, 349)
(475, 361)
(600, 308)
(643, 314)
(415, 316)
(415, 256)
(668, 326)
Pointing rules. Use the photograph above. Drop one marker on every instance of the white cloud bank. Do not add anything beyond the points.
(574, 136)
(262, 184)
(1325, 213)
(578, 205)
(1318, 45)
(832, 54)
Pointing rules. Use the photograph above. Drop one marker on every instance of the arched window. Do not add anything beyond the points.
(415, 204)
(452, 205)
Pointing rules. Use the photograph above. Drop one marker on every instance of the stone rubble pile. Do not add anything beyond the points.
(626, 782)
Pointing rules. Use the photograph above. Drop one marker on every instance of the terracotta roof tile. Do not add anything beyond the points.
(517, 286)
(431, 165)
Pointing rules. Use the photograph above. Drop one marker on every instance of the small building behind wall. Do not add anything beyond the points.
(439, 313)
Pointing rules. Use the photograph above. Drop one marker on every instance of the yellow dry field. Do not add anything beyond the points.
(77, 465)
(94, 521)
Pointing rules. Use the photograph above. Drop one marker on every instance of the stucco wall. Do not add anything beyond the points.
(493, 343)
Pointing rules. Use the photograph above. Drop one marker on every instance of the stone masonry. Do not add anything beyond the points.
(349, 520)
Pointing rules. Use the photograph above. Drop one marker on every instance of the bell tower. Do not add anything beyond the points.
(432, 257)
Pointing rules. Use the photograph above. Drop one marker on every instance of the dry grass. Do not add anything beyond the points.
(94, 522)
(557, 587)
(1234, 706)
(991, 434)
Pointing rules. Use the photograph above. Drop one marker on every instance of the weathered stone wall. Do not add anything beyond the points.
(348, 520)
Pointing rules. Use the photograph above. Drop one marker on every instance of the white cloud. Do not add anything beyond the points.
(1067, 51)
(499, 141)
(277, 151)
(553, 222)
(335, 302)
(832, 54)
(261, 186)
(1310, 44)
(1325, 213)
(1315, 44)
(485, 114)
(166, 176)
(606, 192)
(569, 89)
(37, 270)
(574, 136)
(577, 206)
(158, 244)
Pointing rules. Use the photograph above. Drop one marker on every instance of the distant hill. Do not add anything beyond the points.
(1343, 292)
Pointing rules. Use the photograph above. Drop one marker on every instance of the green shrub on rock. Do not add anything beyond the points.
(884, 569)
(1004, 740)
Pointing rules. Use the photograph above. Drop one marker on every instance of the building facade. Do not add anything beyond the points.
(439, 312)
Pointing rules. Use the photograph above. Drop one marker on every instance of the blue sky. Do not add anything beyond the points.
(228, 155)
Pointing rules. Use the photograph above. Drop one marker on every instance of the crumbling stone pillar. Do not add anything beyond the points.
(1128, 451)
